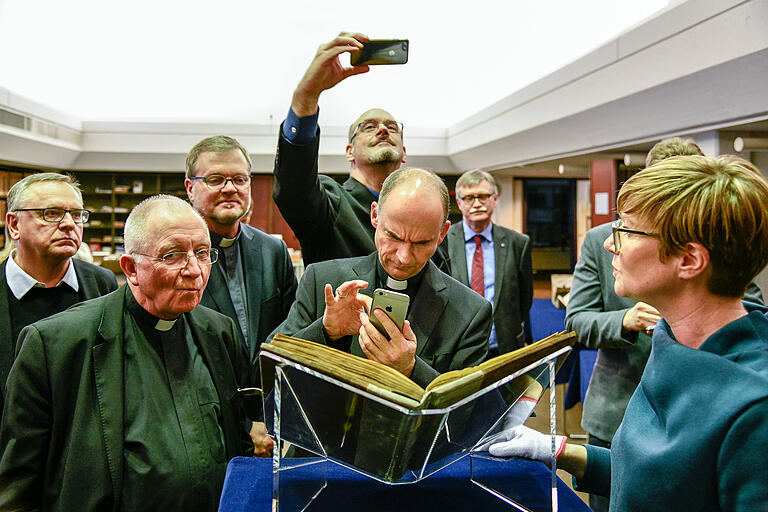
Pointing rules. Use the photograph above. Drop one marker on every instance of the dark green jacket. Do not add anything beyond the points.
(61, 438)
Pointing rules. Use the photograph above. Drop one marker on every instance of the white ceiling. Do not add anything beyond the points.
(238, 60)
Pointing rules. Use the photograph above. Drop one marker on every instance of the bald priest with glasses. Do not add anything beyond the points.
(40, 277)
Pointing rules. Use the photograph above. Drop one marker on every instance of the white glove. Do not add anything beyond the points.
(521, 441)
(519, 412)
(516, 415)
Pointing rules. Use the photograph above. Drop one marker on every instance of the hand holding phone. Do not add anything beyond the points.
(394, 304)
(381, 51)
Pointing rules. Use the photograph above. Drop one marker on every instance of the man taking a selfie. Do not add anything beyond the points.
(332, 220)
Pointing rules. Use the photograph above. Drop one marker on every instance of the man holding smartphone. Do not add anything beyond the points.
(447, 324)
(332, 220)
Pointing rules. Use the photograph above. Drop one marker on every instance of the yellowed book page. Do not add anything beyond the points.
(354, 370)
(451, 392)
(505, 364)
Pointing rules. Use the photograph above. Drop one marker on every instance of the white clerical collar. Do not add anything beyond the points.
(19, 282)
(394, 284)
(165, 325)
(227, 242)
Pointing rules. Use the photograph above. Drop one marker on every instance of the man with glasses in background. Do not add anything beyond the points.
(128, 402)
(40, 277)
(492, 260)
(253, 283)
(331, 220)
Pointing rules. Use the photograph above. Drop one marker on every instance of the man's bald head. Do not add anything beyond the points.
(416, 182)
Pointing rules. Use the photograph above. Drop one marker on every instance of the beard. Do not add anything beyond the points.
(384, 156)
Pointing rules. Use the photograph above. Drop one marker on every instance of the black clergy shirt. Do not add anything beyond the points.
(175, 458)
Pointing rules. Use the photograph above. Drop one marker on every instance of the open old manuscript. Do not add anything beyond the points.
(385, 382)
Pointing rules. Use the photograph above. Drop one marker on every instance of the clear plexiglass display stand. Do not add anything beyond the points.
(319, 420)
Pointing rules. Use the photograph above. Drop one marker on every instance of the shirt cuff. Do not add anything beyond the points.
(300, 130)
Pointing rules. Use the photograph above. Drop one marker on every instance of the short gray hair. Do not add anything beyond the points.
(409, 174)
(19, 192)
(474, 177)
(135, 234)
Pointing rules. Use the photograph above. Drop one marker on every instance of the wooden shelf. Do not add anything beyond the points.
(119, 202)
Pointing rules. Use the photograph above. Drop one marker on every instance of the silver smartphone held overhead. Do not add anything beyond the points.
(381, 51)
(394, 304)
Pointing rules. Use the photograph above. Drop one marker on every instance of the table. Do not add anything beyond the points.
(248, 487)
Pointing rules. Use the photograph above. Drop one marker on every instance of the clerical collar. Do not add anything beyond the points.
(146, 319)
(407, 286)
(219, 241)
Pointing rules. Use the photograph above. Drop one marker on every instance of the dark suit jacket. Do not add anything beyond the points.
(270, 285)
(513, 286)
(94, 281)
(450, 321)
(62, 435)
(330, 220)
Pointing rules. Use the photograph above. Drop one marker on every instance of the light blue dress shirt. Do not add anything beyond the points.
(489, 268)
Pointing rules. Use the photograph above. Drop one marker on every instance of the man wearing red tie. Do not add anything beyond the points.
(492, 260)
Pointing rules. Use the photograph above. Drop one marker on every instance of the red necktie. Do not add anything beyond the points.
(478, 281)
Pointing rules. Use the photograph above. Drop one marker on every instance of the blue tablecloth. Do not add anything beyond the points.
(248, 487)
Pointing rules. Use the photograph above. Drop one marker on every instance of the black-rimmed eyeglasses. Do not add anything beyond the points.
(217, 181)
(79, 215)
(618, 228)
(371, 126)
(179, 259)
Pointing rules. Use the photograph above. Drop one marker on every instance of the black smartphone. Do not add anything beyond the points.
(381, 51)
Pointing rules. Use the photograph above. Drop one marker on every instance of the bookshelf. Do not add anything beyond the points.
(110, 196)
(8, 177)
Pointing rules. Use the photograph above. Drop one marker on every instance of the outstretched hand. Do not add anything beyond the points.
(326, 71)
(344, 307)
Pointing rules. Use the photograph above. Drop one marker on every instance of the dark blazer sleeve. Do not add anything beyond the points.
(298, 193)
(26, 427)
